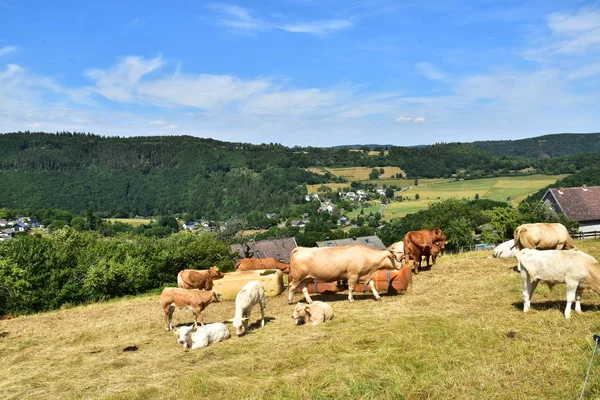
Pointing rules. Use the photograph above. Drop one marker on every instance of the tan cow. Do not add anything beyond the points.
(198, 279)
(543, 236)
(252, 264)
(423, 243)
(195, 299)
(398, 249)
(354, 263)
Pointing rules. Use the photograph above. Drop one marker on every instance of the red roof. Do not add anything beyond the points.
(579, 203)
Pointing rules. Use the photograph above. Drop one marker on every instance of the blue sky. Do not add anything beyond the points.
(302, 72)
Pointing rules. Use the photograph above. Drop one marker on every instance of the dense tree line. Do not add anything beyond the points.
(71, 267)
(547, 146)
(211, 179)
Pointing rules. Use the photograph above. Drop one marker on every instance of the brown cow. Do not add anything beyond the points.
(195, 279)
(252, 264)
(423, 243)
(543, 236)
(195, 299)
(353, 263)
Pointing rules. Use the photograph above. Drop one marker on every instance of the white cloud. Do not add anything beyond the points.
(7, 50)
(430, 72)
(241, 19)
(410, 119)
(157, 123)
(574, 33)
(320, 28)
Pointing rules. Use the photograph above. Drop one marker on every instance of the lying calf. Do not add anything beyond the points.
(316, 313)
(202, 336)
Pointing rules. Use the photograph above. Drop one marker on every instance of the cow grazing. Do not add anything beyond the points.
(195, 279)
(578, 270)
(251, 264)
(504, 250)
(543, 236)
(316, 313)
(354, 263)
(195, 299)
(195, 337)
(252, 293)
(423, 243)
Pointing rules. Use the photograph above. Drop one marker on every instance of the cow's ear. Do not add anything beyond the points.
(245, 319)
(307, 309)
(194, 328)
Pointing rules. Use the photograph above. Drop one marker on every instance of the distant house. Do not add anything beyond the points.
(276, 248)
(190, 225)
(3, 223)
(370, 241)
(20, 227)
(271, 215)
(342, 220)
(298, 224)
(581, 204)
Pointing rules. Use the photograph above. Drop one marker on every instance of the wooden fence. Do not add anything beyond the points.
(586, 235)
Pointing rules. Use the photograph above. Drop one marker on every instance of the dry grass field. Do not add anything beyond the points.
(457, 333)
(131, 221)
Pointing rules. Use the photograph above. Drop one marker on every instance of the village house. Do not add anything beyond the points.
(369, 241)
(280, 249)
(581, 204)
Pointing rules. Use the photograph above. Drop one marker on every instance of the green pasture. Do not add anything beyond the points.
(512, 189)
(131, 221)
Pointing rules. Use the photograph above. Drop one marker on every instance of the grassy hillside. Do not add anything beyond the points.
(457, 333)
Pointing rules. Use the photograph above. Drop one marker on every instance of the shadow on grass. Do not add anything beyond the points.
(343, 296)
(554, 305)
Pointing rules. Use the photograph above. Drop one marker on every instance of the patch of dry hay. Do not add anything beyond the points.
(457, 333)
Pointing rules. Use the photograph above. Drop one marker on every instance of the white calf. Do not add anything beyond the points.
(252, 293)
(202, 336)
(504, 250)
(316, 313)
(578, 270)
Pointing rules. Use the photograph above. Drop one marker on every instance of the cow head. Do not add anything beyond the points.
(300, 313)
(217, 296)
(437, 235)
(184, 333)
(238, 323)
(215, 273)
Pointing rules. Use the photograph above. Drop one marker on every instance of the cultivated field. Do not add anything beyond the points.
(516, 188)
(457, 333)
(131, 221)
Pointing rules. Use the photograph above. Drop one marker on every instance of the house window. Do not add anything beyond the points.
(330, 244)
(367, 241)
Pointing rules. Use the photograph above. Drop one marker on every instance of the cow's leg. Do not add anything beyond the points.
(198, 316)
(571, 293)
(262, 312)
(291, 287)
(578, 300)
(168, 317)
(351, 284)
(526, 290)
(305, 292)
(372, 286)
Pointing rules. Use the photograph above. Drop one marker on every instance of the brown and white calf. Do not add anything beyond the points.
(195, 299)
(316, 313)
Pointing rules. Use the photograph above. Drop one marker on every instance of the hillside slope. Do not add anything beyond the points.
(458, 333)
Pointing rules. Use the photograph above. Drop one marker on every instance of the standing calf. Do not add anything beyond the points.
(195, 279)
(252, 293)
(197, 300)
(578, 270)
(193, 338)
(316, 313)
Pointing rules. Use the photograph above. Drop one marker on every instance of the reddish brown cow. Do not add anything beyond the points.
(252, 264)
(195, 279)
(423, 243)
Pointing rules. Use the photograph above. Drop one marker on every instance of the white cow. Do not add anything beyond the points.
(315, 313)
(578, 270)
(202, 336)
(252, 293)
(504, 250)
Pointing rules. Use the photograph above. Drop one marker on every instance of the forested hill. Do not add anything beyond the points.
(547, 146)
(209, 178)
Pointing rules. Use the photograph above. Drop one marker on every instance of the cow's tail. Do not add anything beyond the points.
(180, 283)
(594, 277)
(237, 265)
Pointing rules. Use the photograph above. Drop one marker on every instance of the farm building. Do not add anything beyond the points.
(277, 248)
(581, 204)
(370, 241)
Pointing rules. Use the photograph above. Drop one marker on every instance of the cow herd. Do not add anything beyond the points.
(545, 253)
